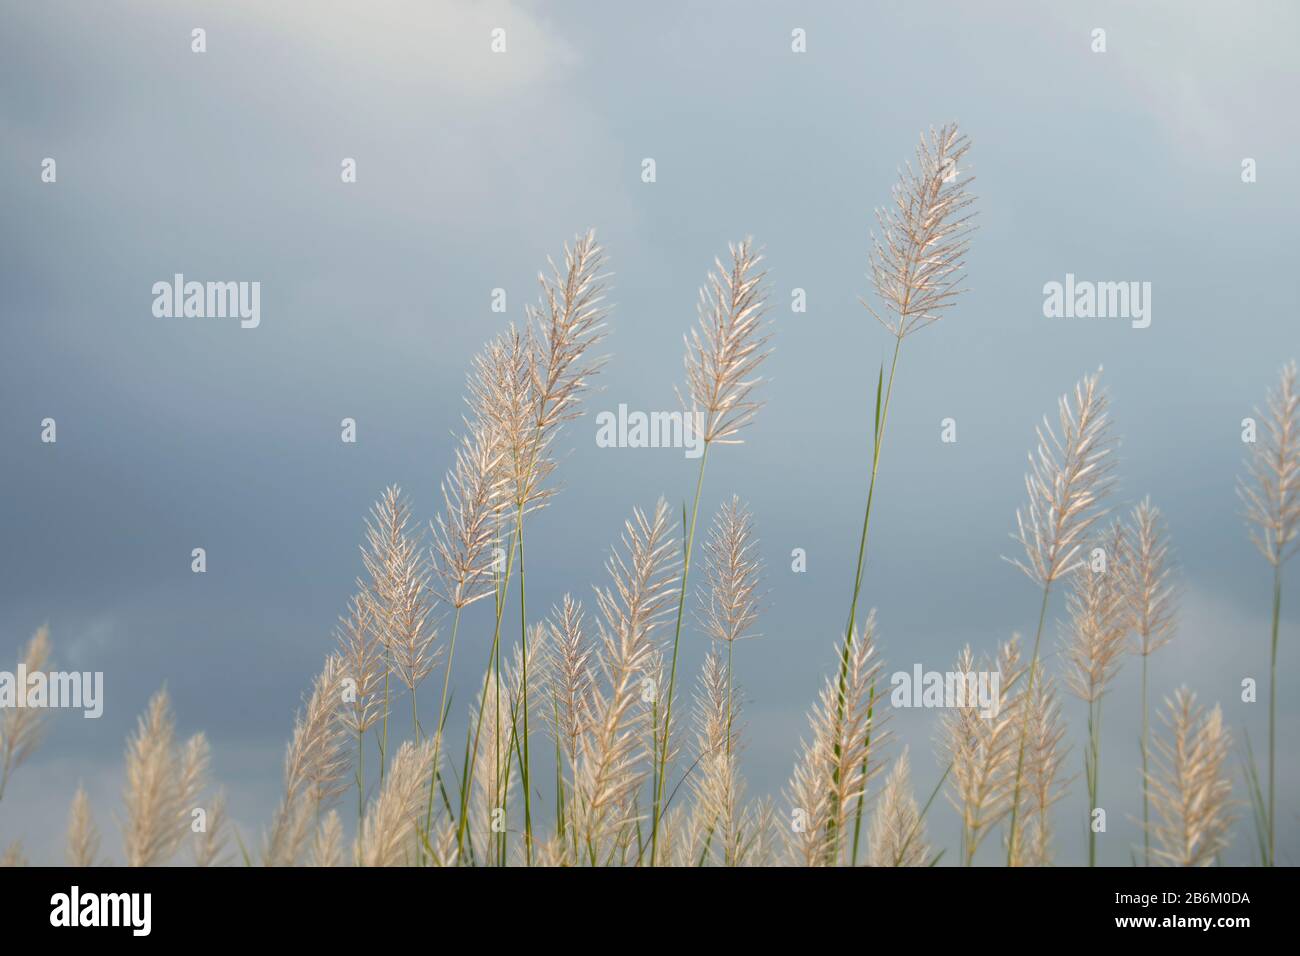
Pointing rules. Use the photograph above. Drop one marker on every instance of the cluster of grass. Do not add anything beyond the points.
(633, 784)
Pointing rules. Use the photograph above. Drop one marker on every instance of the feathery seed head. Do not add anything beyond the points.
(210, 845)
(21, 727)
(897, 835)
(463, 535)
(327, 845)
(1100, 619)
(731, 569)
(724, 353)
(83, 835)
(983, 750)
(315, 767)
(644, 582)
(1271, 489)
(567, 675)
(917, 261)
(399, 589)
(505, 403)
(162, 784)
(385, 837)
(1148, 578)
(1189, 786)
(1045, 754)
(569, 323)
(361, 649)
(1066, 483)
(528, 382)
(833, 769)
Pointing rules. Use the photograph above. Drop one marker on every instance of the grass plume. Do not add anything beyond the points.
(1069, 477)
(917, 265)
(723, 356)
(21, 727)
(83, 839)
(1189, 787)
(1271, 493)
(834, 768)
(897, 836)
(1152, 606)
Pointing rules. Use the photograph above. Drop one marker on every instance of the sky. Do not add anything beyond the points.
(472, 168)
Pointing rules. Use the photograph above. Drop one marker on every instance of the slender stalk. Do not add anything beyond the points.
(857, 813)
(503, 772)
(1093, 768)
(442, 718)
(494, 659)
(496, 738)
(1272, 699)
(1013, 836)
(661, 771)
(1146, 807)
(654, 760)
(383, 737)
(415, 725)
(882, 415)
(559, 779)
(361, 778)
(523, 639)
(924, 810)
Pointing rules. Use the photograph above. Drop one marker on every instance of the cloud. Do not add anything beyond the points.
(429, 47)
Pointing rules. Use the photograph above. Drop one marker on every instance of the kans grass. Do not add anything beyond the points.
(631, 786)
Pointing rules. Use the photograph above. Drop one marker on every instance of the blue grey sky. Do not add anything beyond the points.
(473, 167)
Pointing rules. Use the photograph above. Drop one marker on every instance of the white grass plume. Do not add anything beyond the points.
(210, 844)
(464, 534)
(724, 353)
(1189, 786)
(1100, 617)
(732, 569)
(918, 260)
(390, 824)
(834, 768)
(1271, 490)
(897, 836)
(1148, 579)
(315, 769)
(162, 786)
(644, 582)
(566, 674)
(527, 382)
(567, 324)
(361, 651)
(399, 588)
(21, 727)
(983, 751)
(716, 782)
(1045, 781)
(327, 844)
(1068, 479)
(83, 839)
